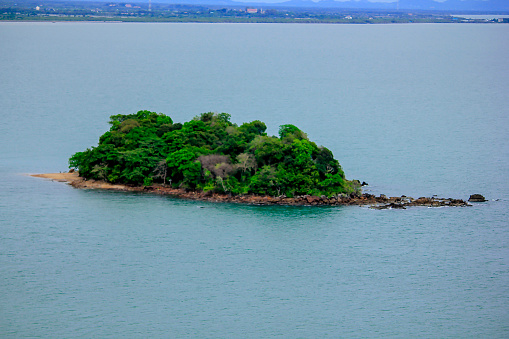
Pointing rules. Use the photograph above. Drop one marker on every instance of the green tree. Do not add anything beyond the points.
(183, 167)
(291, 132)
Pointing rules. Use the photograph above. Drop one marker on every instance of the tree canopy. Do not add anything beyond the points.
(210, 153)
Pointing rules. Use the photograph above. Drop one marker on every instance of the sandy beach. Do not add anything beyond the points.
(63, 177)
(75, 180)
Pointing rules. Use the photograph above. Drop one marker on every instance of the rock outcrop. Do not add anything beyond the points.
(477, 198)
(380, 202)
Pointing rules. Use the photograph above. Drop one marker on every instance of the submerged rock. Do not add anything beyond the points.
(391, 205)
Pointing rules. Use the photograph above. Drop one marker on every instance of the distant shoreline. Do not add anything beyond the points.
(243, 12)
(290, 21)
(381, 202)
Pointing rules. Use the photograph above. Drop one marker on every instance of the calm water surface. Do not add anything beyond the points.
(411, 109)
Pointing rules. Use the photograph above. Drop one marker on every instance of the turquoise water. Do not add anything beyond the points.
(411, 109)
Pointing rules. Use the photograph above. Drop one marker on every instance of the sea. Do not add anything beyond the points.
(411, 109)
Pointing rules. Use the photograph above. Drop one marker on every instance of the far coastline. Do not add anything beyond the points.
(237, 12)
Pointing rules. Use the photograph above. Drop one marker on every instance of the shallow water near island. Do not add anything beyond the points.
(411, 109)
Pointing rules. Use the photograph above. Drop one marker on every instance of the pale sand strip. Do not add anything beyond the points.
(75, 180)
(63, 177)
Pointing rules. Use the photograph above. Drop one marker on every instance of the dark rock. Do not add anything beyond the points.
(312, 199)
(379, 207)
(397, 206)
(457, 202)
(364, 183)
(476, 198)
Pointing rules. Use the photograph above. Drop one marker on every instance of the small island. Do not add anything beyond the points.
(210, 158)
(212, 154)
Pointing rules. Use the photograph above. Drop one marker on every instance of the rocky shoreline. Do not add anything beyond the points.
(375, 202)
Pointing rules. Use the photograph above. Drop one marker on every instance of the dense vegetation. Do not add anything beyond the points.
(210, 153)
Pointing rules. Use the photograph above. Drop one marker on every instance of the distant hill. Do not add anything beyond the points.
(447, 5)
